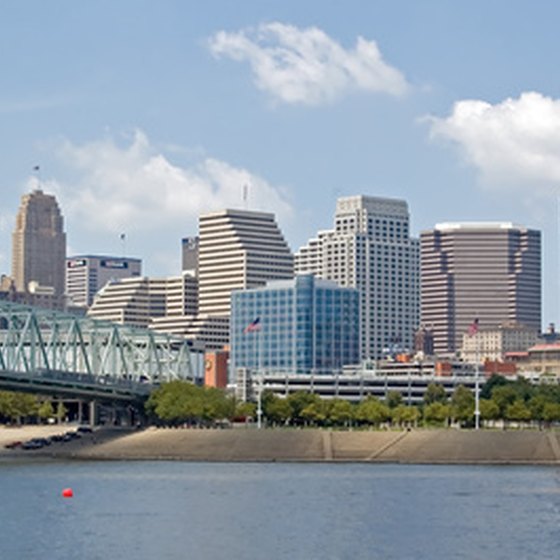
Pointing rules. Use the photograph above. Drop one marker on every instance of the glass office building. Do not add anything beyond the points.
(304, 325)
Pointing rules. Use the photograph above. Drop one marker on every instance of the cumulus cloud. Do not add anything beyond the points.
(307, 66)
(136, 188)
(512, 143)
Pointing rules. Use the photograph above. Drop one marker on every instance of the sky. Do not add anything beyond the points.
(141, 115)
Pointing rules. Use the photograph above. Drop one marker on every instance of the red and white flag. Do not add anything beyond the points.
(253, 326)
(473, 328)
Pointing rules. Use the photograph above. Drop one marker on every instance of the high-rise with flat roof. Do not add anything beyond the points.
(238, 249)
(39, 245)
(370, 249)
(305, 325)
(485, 271)
(87, 274)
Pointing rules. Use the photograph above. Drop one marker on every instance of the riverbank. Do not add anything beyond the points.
(271, 445)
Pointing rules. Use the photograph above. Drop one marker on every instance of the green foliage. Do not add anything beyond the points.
(182, 402)
(437, 413)
(518, 411)
(435, 393)
(298, 401)
(45, 410)
(405, 415)
(489, 410)
(551, 412)
(340, 412)
(393, 399)
(61, 411)
(315, 413)
(495, 380)
(372, 411)
(504, 396)
(278, 410)
(245, 410)
(462, 404)
(18, 406)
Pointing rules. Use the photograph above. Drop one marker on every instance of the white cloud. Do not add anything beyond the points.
(306, 65)
(135, 188)
(512, 143)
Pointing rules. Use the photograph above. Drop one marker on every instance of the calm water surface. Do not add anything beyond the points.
(165, 510)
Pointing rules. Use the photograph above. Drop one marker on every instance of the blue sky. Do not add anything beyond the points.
(143, 114)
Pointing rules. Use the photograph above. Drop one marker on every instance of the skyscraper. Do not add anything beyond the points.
(485, 271)
(39, 244)
(370, 249)
(305, 325)
(238, 249)
(87, 274)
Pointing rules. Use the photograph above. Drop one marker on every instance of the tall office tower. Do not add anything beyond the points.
(238, 249)
(39, 244)
(485, 271)
(87, 274)
(370, 249)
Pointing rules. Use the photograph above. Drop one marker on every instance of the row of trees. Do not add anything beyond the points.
(500, 400)
(181, 402)
(18, 408)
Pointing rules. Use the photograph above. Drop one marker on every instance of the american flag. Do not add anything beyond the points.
(253, 326)
(473, 328)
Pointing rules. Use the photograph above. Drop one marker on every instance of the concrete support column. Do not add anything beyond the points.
(92, 413)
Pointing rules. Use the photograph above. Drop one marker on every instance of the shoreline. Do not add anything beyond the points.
(420, 446)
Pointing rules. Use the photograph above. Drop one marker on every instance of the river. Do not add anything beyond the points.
(206, 511)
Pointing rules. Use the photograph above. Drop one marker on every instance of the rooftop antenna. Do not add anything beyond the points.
(245, 196)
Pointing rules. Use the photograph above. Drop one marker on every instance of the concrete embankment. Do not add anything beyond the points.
(416, 446)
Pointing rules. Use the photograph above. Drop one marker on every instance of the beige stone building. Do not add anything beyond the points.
(39, 250)
(370, 248)
(494, 344)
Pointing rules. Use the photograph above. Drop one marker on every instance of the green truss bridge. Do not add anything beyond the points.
(68, 356)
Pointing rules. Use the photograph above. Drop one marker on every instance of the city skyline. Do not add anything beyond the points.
(141, 124)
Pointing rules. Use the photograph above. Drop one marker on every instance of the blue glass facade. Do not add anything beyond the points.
(305, 325)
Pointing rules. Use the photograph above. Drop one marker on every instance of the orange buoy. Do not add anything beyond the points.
(68, 493)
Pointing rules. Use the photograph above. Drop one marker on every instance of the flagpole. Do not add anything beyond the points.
(477, 383)
(260, 379)
(477, 388)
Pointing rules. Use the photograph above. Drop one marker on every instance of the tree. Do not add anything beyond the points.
(489, 410)
(518, 411)
(61, 412)
(393, 399)
(245, 410)
(435, 393)
(462, 404)
(503, 396)
(17, 406)
(45, 410)
(279, 411)
(495, 380)
(436, 413)
(372, 411)
(315, 413)
(551, 412)
(340, 412)
(300, 400)
(181, 401)
(405, 415)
